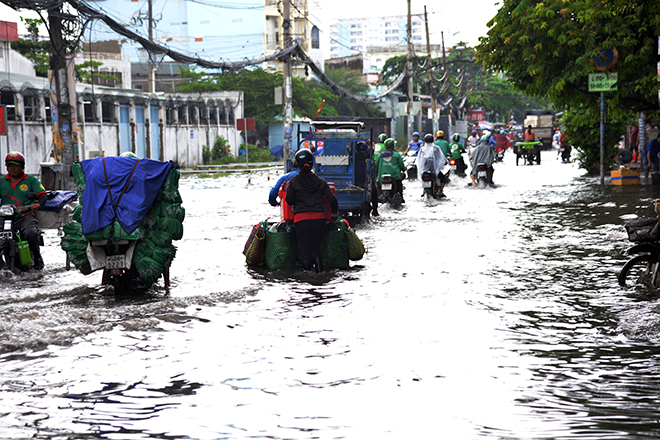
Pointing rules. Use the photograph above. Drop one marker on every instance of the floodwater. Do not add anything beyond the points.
(493, 314)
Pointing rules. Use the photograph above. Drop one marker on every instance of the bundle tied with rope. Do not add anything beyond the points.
(162, 224)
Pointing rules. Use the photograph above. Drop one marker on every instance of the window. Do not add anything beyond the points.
(221, 113)
(315, 38)
(108, 111)
(31, 107)
(90, 109)
(7, 99)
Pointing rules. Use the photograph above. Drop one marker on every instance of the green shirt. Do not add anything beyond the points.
(380, 147)
(456, 150)
(16, 193)
(392, 165)
(444, 146)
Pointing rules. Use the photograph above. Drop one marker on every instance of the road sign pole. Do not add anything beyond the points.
(602, 138)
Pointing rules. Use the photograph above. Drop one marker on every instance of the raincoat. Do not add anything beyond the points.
(390, 162)
(430, 158)
(483, 154)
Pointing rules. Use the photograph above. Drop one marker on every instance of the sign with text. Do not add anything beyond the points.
(475, 115)
(602, 82)
(245, 124)
(3, 127)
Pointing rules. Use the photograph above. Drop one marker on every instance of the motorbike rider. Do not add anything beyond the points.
(415, 144)
(14, 189)
(431, 158)
(530, 136)
(483, 154)
(473, 139)
(501, 141)
(390, 162)
(380, 146)
(441, 142)
(456, 153)
(305, 194)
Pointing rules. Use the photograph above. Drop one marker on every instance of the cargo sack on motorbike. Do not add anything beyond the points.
(281, 250)
(355, 246)
(255, 244)
(334, 247)
(114, 231)
(643, 230)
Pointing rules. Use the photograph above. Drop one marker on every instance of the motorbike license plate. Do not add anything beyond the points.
(115, 262)
(427, 184)
(453, 167)
(482, 174)
(387, 186)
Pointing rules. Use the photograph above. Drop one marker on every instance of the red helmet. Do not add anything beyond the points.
(16, 158)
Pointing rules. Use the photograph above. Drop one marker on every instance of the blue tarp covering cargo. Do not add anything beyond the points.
(120, 187)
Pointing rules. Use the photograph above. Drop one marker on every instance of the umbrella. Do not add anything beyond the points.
(483, 125)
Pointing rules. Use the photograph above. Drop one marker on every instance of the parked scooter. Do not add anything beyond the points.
(643, 268)
(389, 192)
(15, 253)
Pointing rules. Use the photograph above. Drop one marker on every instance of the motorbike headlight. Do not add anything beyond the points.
(6, 210)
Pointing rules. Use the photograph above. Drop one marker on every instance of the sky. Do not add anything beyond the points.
(459, 20)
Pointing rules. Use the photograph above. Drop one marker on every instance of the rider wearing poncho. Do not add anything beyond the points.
(483, 154)
(431, 158)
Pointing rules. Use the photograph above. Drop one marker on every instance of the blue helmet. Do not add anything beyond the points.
(415, 134)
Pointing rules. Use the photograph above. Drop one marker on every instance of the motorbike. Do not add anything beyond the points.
(457, 167)
(430, 185)
(499, 155)
(389, 192)
(15, 253)
(482, 174)
(643, 268)
(565, 151)
(410, 162)
(115, 257)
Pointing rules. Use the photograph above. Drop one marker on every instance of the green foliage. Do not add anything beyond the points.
(546, 49)
(33, 49)
(582, 129)
(84, 72)
(220, 149)
(206, 155)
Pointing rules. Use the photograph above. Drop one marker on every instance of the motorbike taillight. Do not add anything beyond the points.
(387, 179)
(426, 176)
(452, 162)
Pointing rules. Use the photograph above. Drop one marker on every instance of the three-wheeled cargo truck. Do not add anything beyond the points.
(342, 159)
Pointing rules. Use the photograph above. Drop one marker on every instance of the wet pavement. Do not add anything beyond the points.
(492, 314)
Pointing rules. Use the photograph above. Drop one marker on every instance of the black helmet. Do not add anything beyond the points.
(304, 159)
(428, 138)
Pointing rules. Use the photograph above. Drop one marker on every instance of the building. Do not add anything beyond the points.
(216, 32)
(115, 67)
(111, 121)
(354, 35)
(10, 60)
(305, 32)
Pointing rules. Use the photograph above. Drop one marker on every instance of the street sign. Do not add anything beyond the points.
(605, 59)
(602, 82)
(243, 124)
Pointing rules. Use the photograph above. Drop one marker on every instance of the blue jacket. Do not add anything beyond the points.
(272, 195)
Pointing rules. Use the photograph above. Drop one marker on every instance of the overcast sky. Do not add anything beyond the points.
(460, 20)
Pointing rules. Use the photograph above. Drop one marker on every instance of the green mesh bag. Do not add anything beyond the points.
(161, 254)
(334, 247)
(76, 215)
(281, 250)
(148, 269)
(79, 179)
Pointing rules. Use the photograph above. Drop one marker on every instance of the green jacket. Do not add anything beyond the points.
(380, 147)
(16, 194)
(390, 162)
(444, 146)
(456, 149)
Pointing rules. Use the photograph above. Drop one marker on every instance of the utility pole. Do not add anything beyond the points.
(444, 67)
(410, 74)
(434, 118)
(152, 79)
(63, 98)
(287, 115)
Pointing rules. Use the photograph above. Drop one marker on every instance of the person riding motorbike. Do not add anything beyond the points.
(441, 142)
(305, 194)
(14, 189)
(473, 139)
(501, 141)
(380, 146)
(431, 158)
(456, 154)
(530, 136)
(483, 154)
(415, 144)
(390, 162)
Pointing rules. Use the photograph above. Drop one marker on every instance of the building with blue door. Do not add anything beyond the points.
(173, 126)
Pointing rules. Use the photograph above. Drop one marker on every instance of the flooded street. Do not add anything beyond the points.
(493, 314)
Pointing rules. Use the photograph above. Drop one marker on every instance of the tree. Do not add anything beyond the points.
(33, 49)
(547, 50)
(85, 72)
